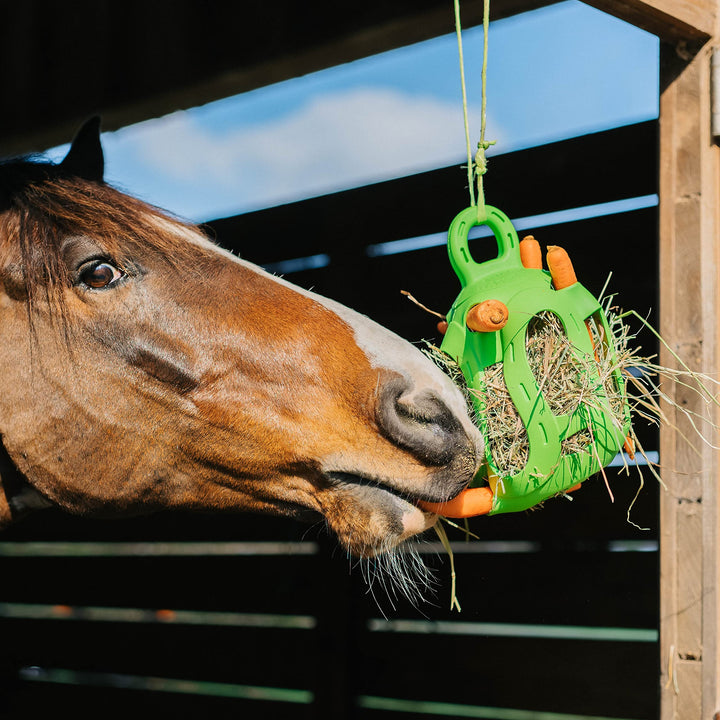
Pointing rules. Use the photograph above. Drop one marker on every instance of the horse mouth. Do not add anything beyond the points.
(370, 517)
(346, 480)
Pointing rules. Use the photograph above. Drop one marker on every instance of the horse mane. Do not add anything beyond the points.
(41, 204)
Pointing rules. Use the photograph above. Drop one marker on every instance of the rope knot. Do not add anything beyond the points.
(480, 159)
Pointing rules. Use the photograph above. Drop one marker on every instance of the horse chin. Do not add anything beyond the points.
(370, 520)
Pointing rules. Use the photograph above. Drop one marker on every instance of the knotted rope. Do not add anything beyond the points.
(477, 166)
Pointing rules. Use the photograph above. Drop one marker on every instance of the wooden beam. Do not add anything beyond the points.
(671, 20)
(689, 311)
(153, 58)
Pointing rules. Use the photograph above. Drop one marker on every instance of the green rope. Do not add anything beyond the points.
(458, 32)
(477, 166)
(483, 145)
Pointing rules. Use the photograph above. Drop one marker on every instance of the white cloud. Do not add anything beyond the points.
(334, 141)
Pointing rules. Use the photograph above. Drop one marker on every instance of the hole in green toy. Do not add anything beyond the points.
(484, 245)
(568, 381)
(505, 432)
(576, 443)
(561, 377)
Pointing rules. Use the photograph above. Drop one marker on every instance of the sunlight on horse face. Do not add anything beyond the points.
(145, 368)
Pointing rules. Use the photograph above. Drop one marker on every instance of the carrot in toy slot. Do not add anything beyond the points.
(487, 316)
(530, 253)
(536, 354)
(561, 268)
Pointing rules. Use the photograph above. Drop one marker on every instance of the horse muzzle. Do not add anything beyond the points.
(431, 453)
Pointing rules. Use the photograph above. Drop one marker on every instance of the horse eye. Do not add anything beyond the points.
(100, 275)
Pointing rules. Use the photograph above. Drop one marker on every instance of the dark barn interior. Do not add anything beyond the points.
(182, 615)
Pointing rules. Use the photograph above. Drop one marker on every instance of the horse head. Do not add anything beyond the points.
(145, 368)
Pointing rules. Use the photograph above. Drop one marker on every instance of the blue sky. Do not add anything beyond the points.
(552, 73)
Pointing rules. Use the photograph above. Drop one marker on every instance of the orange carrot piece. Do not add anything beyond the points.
(487, 316)
(530, 253)
(629, 447)
(470, 502)
(561, 267)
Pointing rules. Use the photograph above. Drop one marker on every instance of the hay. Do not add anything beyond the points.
(564, 380)
(567, 380)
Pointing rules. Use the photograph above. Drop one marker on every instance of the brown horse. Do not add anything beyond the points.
(143, 367)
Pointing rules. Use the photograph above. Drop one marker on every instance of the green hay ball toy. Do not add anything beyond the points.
(527, 293)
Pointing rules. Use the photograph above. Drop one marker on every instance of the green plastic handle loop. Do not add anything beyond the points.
(461, 259)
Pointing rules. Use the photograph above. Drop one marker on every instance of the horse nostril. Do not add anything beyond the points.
(421, 422)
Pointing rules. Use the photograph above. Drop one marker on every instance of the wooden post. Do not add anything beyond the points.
(689, 312)
(689, 322)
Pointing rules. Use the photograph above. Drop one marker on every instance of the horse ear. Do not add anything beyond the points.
(85, 157)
